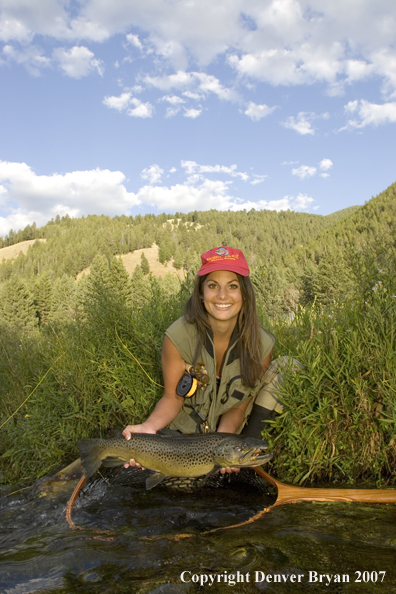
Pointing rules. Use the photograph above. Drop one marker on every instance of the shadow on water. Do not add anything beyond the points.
(39, 554)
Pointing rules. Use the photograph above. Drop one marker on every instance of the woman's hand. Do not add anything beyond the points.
(142, 428)
(228, 470)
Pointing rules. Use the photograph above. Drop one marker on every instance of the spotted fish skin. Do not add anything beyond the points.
(188, 455)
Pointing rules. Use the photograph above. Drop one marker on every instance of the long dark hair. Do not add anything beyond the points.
(249, 343)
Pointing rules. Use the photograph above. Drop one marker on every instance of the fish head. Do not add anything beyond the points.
(242, 452)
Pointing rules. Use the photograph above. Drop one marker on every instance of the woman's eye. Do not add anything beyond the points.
(233, 287)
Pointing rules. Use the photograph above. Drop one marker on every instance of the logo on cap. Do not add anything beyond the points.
(222, 252)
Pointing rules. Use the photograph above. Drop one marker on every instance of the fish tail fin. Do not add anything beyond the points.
(90, 455)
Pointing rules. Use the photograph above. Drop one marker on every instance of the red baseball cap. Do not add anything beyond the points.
(224, 258)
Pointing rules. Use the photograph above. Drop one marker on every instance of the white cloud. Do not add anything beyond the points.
(153, 174)
(258, 179)
(257, 112)
(28, 197)
(131, 105)
(193, 168)
(325, 164)
(302, 202)
(201, 83)
(171, 112)
(191, 95)
(175, 103)
(140, 109)
(285, 63)
(287, 203)
(304, 171)
(119, 103)
(370, 114)
(173, 99)
(285, 42)
(77, 62)
(209, 194)
(21, 20)
(192, 113)
(134, 40)
(31, 57)
(301, 124)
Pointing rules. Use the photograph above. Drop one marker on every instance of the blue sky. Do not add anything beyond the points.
(139, 106)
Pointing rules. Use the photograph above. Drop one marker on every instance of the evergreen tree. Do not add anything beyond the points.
(269, 284)
(168, 285)
(140, 288)
(309, 282)
(99, 275)
(179, 257)
(120, 283)
(63, 298)
(43, 297)
(17, 306)
(144, 264)
(332, 279)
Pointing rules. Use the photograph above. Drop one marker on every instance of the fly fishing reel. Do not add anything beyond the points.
(193, 379)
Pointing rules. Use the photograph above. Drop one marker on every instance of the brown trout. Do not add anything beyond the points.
(187, 455)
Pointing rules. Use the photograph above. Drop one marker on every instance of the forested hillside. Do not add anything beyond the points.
(72, 244)
(82, 358)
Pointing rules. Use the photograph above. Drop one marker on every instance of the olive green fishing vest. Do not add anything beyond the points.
(210, 402)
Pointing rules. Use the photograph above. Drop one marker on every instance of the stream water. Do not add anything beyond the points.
(288, 550)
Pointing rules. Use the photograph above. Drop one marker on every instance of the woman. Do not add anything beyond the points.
(219, 329)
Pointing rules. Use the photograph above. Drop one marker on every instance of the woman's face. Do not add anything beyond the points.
(222, 295)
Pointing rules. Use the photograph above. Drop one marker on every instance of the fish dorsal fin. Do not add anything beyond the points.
(172, 433)
(154, 480)
(169, 433)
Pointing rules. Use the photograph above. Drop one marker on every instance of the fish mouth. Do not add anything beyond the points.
(255, 456)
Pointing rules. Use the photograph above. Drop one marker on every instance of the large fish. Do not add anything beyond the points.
(188, 455)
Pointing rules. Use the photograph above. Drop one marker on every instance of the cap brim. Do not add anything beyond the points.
(208, 268)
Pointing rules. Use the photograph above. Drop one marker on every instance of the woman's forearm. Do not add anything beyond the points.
(230, 421)
(166, 410)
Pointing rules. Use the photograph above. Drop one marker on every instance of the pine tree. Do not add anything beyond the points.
(63, 299)
(42, 297)
(17, 307)
(309, 282)
(120, 283)
(269, 285)
(140, 288)
(144, 264)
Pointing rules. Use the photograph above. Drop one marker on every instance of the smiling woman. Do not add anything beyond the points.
(216, 358)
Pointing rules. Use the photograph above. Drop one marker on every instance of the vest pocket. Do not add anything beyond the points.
(234, 389)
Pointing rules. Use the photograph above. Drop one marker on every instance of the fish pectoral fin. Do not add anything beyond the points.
(202, 481)
(112, 461)
(155, 479)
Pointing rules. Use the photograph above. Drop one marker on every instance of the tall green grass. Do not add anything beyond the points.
(105, 372)
(339, 420)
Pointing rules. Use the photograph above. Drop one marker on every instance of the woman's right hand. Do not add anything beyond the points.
(142, 428)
